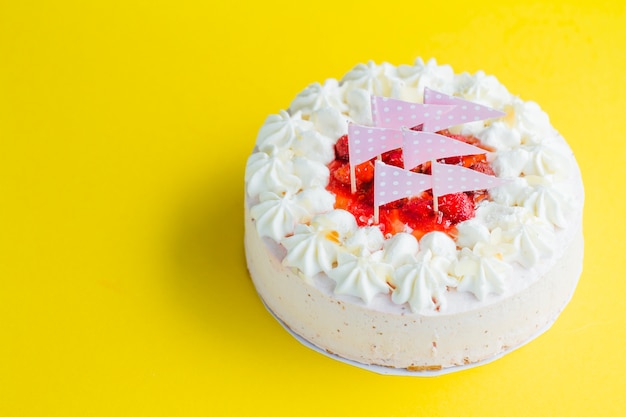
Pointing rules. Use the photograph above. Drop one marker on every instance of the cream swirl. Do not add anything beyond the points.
(277, 216)
(500, 136)
(365, 240)
(371, 77)
(313, 248)
(330, 122)
(423, 284)
(532, 122)
(532, 239)
(481, 275)
(360, 106)
(400, 249)
(280, 130)
(419, 75)
(547, 160)
(267, 173)
(511, 162)
(317, 96)
(482, 88)
(364, 276)
(547, 203)
(440, 244)
(314, 146)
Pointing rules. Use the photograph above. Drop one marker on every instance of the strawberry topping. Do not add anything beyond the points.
(416, 214)
(341, 148)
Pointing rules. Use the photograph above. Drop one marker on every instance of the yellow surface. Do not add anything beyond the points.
(124, 131)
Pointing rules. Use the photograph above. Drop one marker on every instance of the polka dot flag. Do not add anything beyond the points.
(463, 111)
(419, 147)
(449, 179)
(392, 119)
(366, 142)
(396, 114)
(392, 183)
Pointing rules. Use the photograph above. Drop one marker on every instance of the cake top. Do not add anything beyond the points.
(303, 196)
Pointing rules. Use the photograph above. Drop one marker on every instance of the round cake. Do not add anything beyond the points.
(412, 218)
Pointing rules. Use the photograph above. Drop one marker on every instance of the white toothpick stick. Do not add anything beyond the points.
(352, 178)
(435, 198)
(376, 214)
(376, 208)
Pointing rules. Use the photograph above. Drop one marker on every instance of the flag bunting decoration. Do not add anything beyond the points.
(392, 183)
(463, 111)
(449, 179)
(397, 114)
(366, 142)
(419, 147)
(393, 120)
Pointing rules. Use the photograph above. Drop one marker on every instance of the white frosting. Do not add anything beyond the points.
(330, 122)
(532, 240)
(287, 174)
(413, 79)
(277, 216)
(481, 275)
(363, 275)
(547, 203)
(280, 130)
(500, 136)
(482, 89)
(532, 122)
(360, 106)
(310, 172)
(423, 283)
(439, 244)
(267, 173)
(547, 160)
(317, 96)
(313, 248)
(370, 77)
(400, 249)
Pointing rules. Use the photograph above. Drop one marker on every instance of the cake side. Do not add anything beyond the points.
(408, 340)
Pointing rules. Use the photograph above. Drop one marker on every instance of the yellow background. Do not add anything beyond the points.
(124, 131)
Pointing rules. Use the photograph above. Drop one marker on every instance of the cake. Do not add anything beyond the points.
(431, 282)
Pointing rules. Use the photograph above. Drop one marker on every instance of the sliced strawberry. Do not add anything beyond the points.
(364, 172)
(456, 207)
(463, 138)
(452, 160)
(362, 208)
(418, 212)
(394, 158)
(424, 168)
(341, 148)
(390, 222)
(472, 140)
(482, 166)
(341, 172)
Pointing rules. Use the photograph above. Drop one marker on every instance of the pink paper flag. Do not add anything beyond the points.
(464, 111)
(393, 113)
(419, 147)
(392, 183)
(367, 142)
(449, 179)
